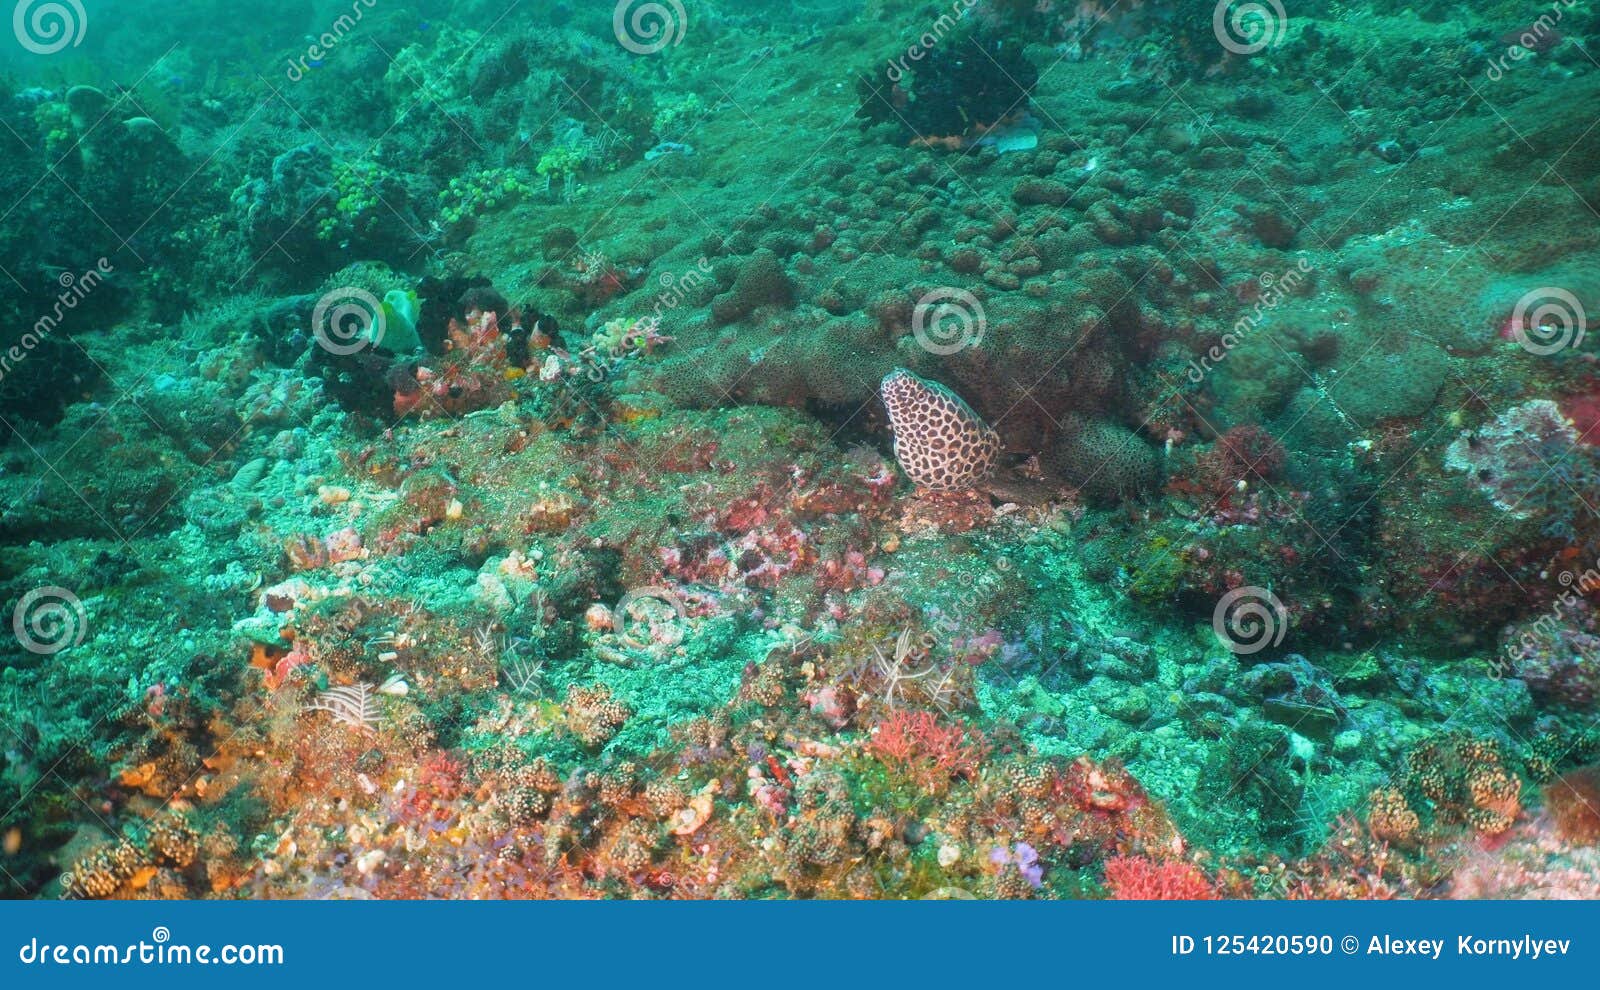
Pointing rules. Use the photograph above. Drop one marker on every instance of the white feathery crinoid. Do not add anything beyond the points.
(355, 706)
(893, 672)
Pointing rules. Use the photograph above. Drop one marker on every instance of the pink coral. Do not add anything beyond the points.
(916, 742)
(1139, 878)
(1535, 863)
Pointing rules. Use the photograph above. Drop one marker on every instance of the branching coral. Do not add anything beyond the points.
(1140, 878)
(930, 752)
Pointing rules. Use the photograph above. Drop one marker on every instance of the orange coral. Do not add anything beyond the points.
(1391, 818)
(592, 715)
(1466, 781)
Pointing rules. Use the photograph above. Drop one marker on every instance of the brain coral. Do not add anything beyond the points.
(938, 440)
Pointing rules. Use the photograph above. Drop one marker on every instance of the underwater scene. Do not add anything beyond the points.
(843, 449)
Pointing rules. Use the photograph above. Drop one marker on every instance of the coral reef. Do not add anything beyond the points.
(479, 469)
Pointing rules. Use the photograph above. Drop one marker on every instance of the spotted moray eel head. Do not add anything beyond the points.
(939, 441)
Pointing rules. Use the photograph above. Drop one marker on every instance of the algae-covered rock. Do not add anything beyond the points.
(1396, 379)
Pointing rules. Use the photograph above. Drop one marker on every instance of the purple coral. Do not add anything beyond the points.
(1024, 857)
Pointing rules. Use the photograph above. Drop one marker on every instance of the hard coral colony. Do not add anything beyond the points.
(523, 459)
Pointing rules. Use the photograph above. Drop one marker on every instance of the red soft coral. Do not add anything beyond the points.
(1245, 454)
(1139, 878)
(916, 743)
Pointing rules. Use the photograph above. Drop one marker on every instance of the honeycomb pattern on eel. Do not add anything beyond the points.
(939, 441)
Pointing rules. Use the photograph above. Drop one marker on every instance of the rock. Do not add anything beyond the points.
(1212, 676)
(250, 474)
(1206, 703)
(87, 105)
(1347, 743)
(1119, 701)
(1115, 668)
(1313, 721)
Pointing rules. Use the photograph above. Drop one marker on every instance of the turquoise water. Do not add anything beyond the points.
(694, 449)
